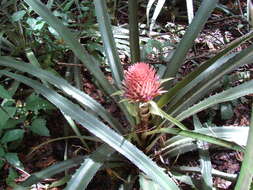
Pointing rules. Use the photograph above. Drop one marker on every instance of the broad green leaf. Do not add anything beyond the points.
(18, 15)
(12, 135)
(245, 177)
(72, 41)
(108, 41)
(103, 132)
(10, 110)
(8, 103)
(2, 152)
(4, 93)
(36, 103)
(12, 123)
(39, 127)
(192, 32)
(68, 5)
(12, 175)
(4, 117)
(13, 159)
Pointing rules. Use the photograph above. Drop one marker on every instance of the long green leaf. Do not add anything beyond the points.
(190, 11)
(192, 32)
(84, 174)
(71, 40)
(179, 87)
(205, 162)
(246, 172)
(52, 170)
(62, 84)
(33, 60)
(149, 5)
(156, 13)
(103, 132)
(209, 77)
(199, 136)
(89, 168)
(225, 96)
(180, 144)
(108, 40)
(186, 179)
(134, 31)
(155, 110)
(216, 173)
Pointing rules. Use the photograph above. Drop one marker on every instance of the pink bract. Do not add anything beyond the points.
(141, 83)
